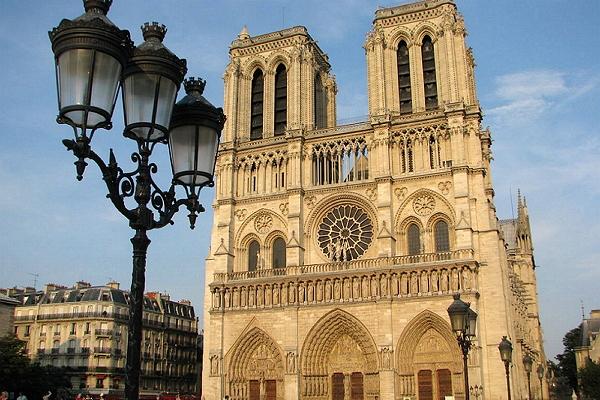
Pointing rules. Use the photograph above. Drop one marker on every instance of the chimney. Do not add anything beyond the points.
(113, 285)
(82, 285)
(49, 287)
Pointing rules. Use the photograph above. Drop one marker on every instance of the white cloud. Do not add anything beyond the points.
(526, 95)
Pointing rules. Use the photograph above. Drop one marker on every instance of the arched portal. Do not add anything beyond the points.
(339, 360)
(255, 368)
(429, 362)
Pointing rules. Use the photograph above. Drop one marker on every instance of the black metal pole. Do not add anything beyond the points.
(466, 369)
(506, 369)
(140, 244)
(541, 389)
(529, 386)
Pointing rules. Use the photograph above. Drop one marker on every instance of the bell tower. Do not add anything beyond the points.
(417, 59)
(277, 82)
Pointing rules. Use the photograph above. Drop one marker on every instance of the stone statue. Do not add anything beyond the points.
(434, 281)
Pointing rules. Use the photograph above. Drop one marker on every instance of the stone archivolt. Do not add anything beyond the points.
(338, 342)
(254, 357)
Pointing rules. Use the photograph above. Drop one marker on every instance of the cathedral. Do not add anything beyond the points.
(336, 249)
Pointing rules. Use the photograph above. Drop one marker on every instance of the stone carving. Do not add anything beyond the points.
(352, 286)
(424, 204)
(400, 193)
(263, 223)
(445, 187)
(290, 364)
(345, 233)
(372, 193)
(386, 358)
(283, 207)
(240, 214)
(214, 365)
(310, 201)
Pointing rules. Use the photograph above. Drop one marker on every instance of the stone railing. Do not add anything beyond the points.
(366, 280)
(370, 263)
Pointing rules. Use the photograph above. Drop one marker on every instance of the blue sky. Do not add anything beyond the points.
(538, 79)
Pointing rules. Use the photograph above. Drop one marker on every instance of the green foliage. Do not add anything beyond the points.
(566, 361)
(18, 374)
(590, 380)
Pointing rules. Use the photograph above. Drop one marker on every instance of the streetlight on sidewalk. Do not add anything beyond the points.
(94, 58)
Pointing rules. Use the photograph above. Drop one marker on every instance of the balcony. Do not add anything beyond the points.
(70, 350)
(85, 350)
(102, 350)
(55, 351)
(41, 352)
(103, 332)
(393, 278)
(56, 333)
(371, 263)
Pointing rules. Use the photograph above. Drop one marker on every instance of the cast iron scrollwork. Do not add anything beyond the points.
(137, 184)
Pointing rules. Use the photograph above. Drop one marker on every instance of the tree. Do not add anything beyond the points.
(590, 380)
(18, 374)
(566, 361)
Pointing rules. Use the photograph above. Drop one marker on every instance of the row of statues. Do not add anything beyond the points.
(350, 288)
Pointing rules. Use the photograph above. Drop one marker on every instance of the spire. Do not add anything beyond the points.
(244, 33)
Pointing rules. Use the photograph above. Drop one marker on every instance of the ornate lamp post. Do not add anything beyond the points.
(476, 391)
(540, 374)
(528, 364)
(506, 349)
(93, 59)
(463, 321)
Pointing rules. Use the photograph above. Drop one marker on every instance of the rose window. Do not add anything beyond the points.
(345, 233)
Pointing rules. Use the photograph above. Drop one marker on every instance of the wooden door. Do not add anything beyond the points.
(356, 386)
(337, 386)
(271, 389)
(254, 392)
(444, 381)
(425, 382)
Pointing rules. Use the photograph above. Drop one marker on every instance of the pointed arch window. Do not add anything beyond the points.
(320, 109)
(413, 234)
(442, 240)
(280, 100)
(256, 116)
(253, 255)
(278, 259)
(404, 90)
(429, 79)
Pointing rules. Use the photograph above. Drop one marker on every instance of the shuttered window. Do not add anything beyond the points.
(404, 78)
(429, 79)
(280, 100)
(256, 116)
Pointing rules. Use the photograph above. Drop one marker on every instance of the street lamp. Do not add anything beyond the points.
(463, 321)
(540, 374)
(528, 364)
(93, 59)
(506, 349)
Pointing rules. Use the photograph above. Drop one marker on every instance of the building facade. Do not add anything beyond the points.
(336, 249)
(590, 340)
(84, 328)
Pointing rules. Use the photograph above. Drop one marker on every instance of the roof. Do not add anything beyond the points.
(8, 300)
(589, 330)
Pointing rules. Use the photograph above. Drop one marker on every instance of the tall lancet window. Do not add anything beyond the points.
(404, 91)
(256, 116)
(413, 239)
(280, 99)
(320, 109)
(429, 82)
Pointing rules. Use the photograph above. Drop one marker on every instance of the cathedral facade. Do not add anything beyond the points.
(336, 249)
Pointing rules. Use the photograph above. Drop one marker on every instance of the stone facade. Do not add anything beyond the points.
(590, 340)
(84, 327)
(336, 249)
